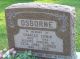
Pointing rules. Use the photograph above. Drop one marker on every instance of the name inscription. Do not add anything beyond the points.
(38, 39)
(37, 23)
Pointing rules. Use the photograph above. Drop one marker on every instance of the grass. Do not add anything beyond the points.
(5, 3)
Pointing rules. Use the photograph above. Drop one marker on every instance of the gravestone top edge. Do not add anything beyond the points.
(59, 7)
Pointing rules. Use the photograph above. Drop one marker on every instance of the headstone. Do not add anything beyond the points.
(45, 29)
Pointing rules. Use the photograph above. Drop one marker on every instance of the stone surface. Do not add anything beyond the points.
(46, 29)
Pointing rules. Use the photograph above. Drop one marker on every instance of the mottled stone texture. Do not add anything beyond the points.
(45, 29)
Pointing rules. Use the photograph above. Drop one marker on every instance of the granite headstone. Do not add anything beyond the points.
(45, 29)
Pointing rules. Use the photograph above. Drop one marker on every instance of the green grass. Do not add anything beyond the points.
(3, 36)
(5, 3)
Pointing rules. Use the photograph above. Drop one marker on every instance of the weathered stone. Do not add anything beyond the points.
(46, 29)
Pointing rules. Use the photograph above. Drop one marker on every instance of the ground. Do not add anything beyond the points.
(5, 3)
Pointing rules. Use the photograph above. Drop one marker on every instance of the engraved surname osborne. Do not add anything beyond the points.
(37, 23)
